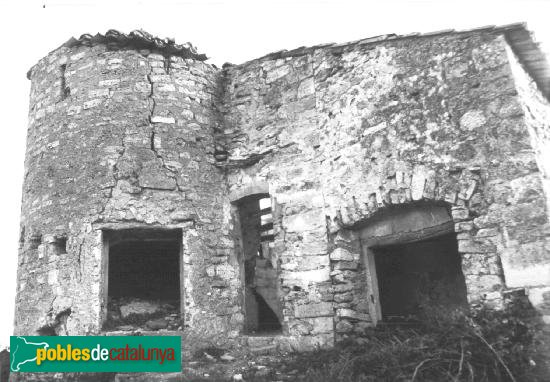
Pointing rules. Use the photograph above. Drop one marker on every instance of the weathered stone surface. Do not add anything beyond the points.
(341, 254)
(471, 246)
(322, 325)
(336, 136)
(472, 119)
(341, 288)
(300, 328)
(344, 326)
(305, 263)
(312, 276)
(346, 265)
(343, 297)
(161, 119)
(313, 310)
(305, 222)
(351, 314)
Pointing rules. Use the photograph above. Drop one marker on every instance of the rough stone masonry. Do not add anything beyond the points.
(288, 202)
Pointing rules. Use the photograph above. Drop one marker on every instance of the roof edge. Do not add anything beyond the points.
(520, 39)
(303, 50)
(531, 57)
(137, 39)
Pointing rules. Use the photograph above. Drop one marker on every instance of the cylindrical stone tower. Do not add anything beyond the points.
(120, 149)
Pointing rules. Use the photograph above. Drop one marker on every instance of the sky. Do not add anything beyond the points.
(226, 31)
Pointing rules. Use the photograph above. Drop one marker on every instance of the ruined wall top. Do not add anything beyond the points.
(517, 35)
(137, 40)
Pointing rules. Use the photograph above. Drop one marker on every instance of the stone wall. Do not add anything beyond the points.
(341, 132)
(338, 135)
(121, 138)
(530, 268)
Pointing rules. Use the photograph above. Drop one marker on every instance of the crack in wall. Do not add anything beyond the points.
(134, 177)
(116, 179)
(151, 93)
(151, 97)
(173, 173)
(79, 261)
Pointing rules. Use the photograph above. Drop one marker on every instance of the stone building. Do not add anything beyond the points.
(287, 202)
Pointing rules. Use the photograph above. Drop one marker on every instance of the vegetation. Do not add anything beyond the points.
(481, 345)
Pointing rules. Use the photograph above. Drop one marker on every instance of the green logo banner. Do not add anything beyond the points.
(95, 354)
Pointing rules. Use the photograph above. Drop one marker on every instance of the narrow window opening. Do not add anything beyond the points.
(266, 224)
(60, 245)
(167, 64)
(65, 91)
(143, 279)
(22, 235)
(417, 278)
(263, 313)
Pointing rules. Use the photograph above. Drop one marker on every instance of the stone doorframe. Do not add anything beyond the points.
(481, 266)
(102, 247)
(367, 241)
(257, 188)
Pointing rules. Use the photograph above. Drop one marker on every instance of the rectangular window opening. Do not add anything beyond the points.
(143, 281)
(64, 90)
(60, 245)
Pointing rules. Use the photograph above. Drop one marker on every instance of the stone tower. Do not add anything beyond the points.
(121, 138)
(306, 195)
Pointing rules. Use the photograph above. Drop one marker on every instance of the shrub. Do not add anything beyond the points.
(454, 345)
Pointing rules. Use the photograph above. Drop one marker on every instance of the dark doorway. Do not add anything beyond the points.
(144, 278)
(267, 319)
(414, 278)
(260, 266)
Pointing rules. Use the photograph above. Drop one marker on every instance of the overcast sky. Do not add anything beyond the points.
(226, 31)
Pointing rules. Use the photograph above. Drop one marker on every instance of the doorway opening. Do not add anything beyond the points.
(419, 277)
(412, 265)
(143, 282)
(263, 313)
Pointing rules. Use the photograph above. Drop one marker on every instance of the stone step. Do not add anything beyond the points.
(264, 350)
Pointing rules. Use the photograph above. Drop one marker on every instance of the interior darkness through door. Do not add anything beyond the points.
(414, 278)
(144, 278)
